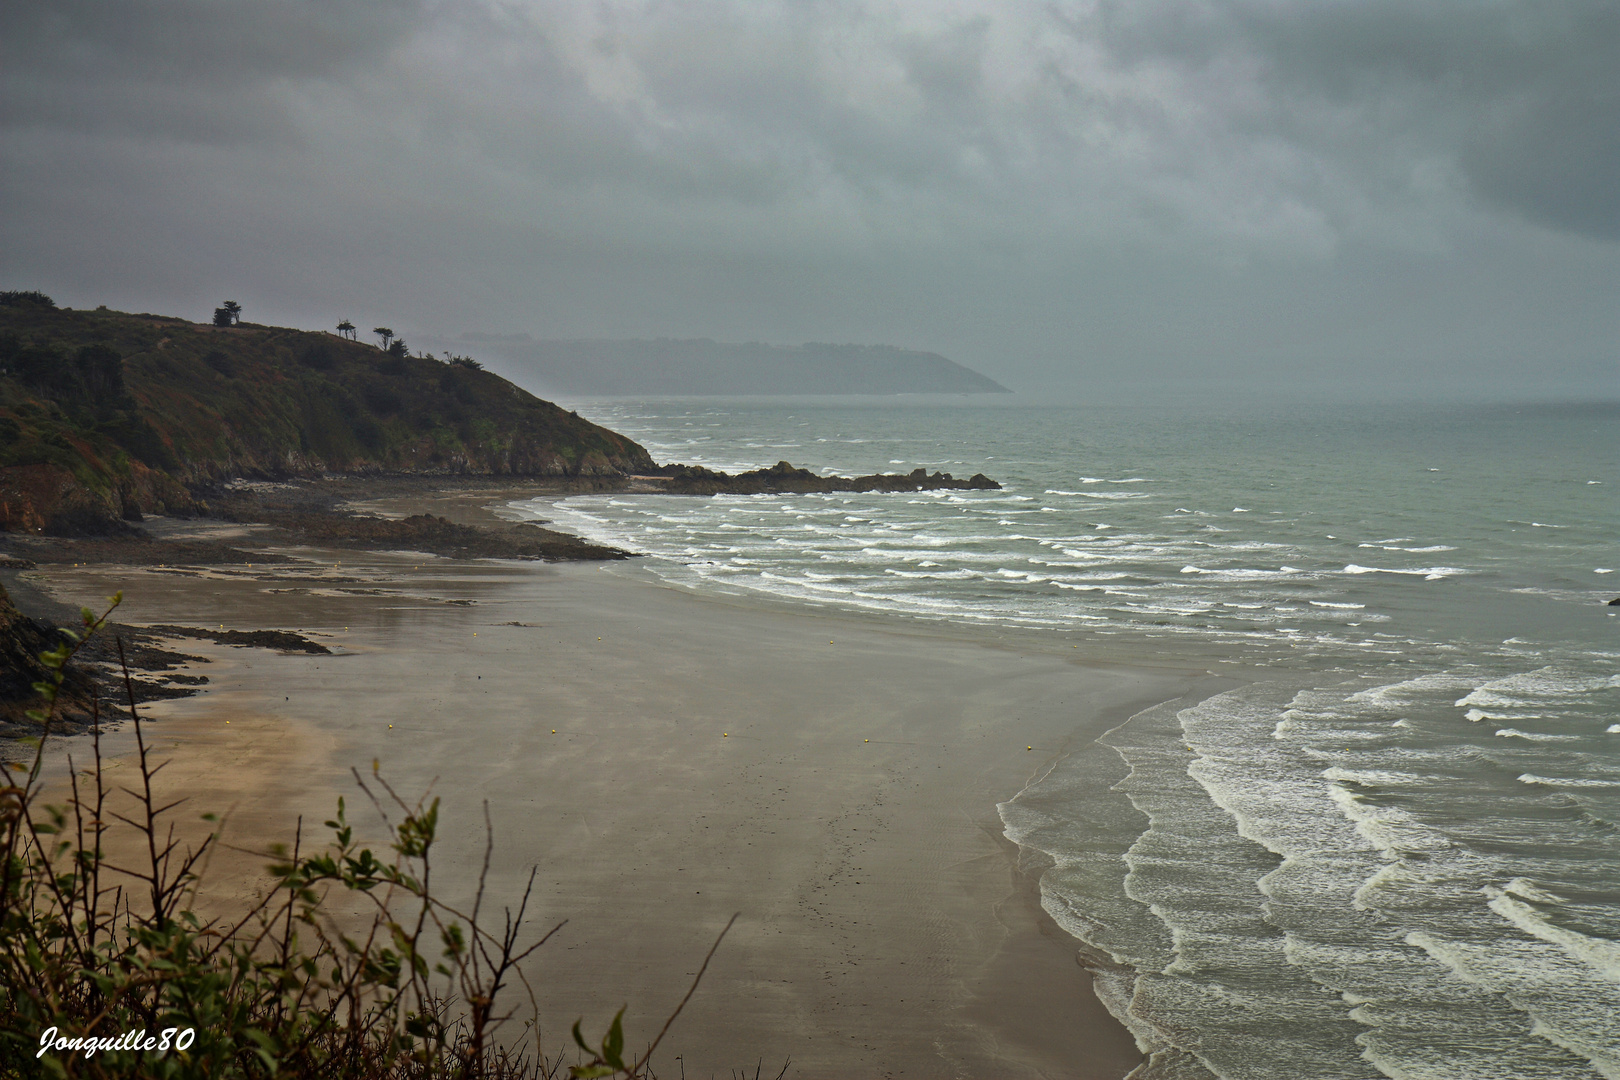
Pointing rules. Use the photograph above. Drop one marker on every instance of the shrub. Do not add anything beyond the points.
(318, 355)
(100, 979)
(25, 298)
(220, 363)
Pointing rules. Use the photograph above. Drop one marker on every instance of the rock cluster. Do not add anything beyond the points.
(783, 478)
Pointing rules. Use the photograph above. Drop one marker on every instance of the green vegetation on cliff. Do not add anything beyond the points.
(104, 414)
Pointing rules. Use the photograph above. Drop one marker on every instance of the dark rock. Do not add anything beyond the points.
(441, 536)
(282, 640)
(1615, 602)
(87, 520)
(783, 478)
(22, 639)
(93, 685)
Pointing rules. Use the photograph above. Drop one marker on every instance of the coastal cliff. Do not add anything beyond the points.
(105, 416)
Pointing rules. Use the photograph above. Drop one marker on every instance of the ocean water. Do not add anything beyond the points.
(1395, 853)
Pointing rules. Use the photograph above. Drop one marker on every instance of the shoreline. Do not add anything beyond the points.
(941, 917)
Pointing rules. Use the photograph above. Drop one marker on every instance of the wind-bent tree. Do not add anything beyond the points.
(346, 329)
(222, 317)
(234, 309)
(385, 333)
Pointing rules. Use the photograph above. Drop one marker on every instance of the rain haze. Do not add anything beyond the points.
(1064, 196)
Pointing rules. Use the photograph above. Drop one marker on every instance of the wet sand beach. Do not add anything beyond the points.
(833, 778)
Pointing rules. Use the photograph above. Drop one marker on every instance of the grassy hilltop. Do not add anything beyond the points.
(106, 415)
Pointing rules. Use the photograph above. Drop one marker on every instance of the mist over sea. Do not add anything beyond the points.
(1397, 851)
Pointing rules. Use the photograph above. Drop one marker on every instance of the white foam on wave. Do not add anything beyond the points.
(1550, 685)
(1330, 604)
(1387, 777)
(1567, 982)
(1127, 480)
(1427, 573)
(1343, 896)
(1602, 956)
(1108, 495)
(1413, 550)
(944, 575)
(1571, 782)
(1531, 736)
(1243, 574)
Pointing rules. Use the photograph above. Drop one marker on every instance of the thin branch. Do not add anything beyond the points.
(640, 1064)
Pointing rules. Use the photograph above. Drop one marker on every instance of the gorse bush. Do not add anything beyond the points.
(105, 970)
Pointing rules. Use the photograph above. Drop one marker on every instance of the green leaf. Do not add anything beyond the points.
(613, 1045)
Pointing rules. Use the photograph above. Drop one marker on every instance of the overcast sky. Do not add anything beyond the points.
(1053, 193)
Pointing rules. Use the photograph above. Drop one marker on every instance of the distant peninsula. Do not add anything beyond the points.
(670, 366)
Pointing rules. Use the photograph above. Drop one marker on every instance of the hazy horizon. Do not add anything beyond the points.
(1354, 197)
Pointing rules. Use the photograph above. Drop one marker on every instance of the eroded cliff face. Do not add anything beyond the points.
(105, 416)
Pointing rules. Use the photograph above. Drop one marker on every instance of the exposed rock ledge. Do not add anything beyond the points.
(784, 478)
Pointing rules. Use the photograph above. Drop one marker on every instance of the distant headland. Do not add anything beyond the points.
(106, 417)
(671, 366)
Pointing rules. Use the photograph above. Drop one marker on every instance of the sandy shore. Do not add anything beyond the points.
(833, 778)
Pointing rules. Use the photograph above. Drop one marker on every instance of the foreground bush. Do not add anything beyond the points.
(106, 972)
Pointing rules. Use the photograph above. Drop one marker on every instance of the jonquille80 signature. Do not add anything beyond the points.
(140, 1041)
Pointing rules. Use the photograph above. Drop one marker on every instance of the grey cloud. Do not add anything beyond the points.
(1037, 184)
(195, 70)
(1520, 97)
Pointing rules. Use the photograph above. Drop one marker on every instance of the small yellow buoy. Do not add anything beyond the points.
(725, 734)
(866, 740)
(554, 731)
(1029, 748)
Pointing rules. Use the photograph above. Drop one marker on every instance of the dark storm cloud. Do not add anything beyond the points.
(983, 177)
(186, 69)
(1522, 97)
